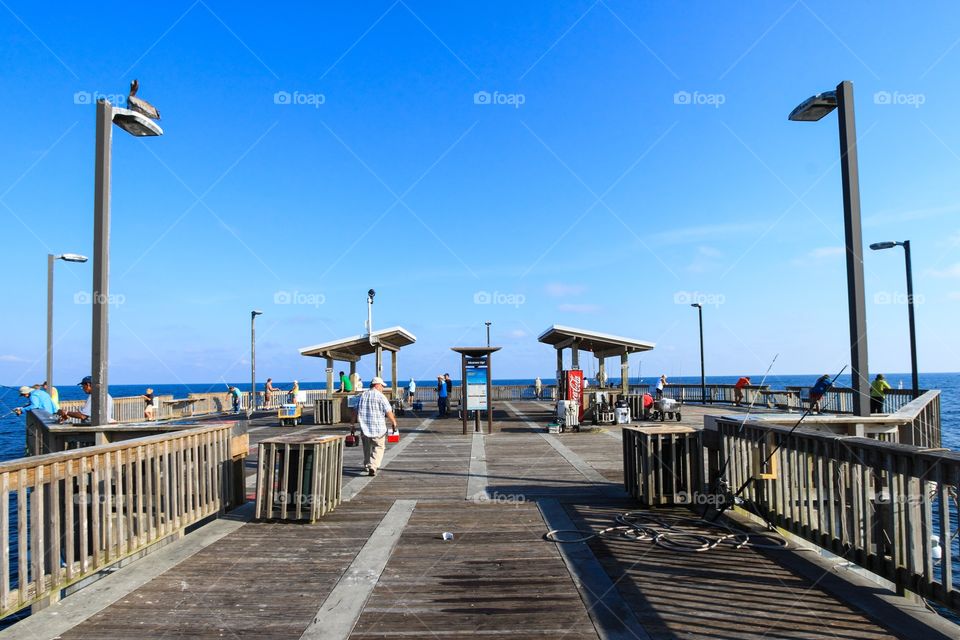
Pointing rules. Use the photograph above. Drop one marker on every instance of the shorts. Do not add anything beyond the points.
(815, 397)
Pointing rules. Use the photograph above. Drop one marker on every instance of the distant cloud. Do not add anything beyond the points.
(818, 255)
(518, 333)
(953, 271)
(579, 308)
(11, 358)
(893, 217)
(562, 290)
(705, 260)
(953, 295)
(701, 233)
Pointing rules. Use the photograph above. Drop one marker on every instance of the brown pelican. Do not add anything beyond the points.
(140, 105)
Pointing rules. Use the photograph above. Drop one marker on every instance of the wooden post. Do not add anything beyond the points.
(463, 392)
(379, 358)
(489, 393)
(602, 372)
(393, 375)
(330, 388)
(625, 373)
(575, 355)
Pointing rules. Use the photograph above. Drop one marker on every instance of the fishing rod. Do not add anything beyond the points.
(719, 482)
(773, 452)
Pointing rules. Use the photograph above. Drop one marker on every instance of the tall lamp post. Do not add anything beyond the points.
(51, 258)
(253, 361)
(877, 246)
(488, 332)
(813, 109)
(136, 124)
(703, 378)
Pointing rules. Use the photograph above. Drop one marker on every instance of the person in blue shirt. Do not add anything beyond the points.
(39, 399)
(820, 387)
(442, 396)
(234, 394)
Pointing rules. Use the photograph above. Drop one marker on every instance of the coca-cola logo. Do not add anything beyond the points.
(575, 385)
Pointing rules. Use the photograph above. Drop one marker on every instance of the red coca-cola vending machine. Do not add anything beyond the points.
(573, 383)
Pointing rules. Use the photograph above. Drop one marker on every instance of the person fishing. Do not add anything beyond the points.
(39, 399)
(820, 387)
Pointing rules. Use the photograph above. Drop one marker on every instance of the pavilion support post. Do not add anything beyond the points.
(330, 388)
(463, 391)
(559, 367)
(393, 375)
(625, 373)
(489, 394)
(379, 361)
(575, 356)
(602, 371)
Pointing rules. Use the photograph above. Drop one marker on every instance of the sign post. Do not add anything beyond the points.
(476, 381)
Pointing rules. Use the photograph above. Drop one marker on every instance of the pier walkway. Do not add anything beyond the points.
(378, 568)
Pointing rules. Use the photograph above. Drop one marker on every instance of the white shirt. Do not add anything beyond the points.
(413, 387)
(87, 409)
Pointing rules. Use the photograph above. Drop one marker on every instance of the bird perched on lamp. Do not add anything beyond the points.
(139, 104)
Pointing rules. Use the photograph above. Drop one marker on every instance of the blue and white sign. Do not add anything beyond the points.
(476, 389)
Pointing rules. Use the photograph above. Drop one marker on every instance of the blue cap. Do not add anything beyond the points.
(86, 380)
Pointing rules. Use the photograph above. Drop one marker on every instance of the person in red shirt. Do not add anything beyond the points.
(738, 389)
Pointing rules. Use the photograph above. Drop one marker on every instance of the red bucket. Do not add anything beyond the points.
(393, 437)
(352, 441)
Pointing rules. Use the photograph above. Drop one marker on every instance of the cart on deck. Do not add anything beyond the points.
(665, 408)
(289, 414)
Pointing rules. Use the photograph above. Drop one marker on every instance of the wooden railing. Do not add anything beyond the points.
(73, 513)
(923, 416)
(890, 508)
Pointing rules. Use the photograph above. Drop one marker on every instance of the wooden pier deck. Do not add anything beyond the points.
(378, 568)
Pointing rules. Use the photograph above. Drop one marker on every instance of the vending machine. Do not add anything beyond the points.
(571, 390)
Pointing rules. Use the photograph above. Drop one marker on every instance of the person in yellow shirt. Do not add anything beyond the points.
(54, 394)
(878, 389)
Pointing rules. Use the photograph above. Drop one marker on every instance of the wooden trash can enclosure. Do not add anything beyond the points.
(663, 465)
(299, 477)
(327, 410)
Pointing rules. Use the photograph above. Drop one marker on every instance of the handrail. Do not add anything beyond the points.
(75, 512)
(887, 507)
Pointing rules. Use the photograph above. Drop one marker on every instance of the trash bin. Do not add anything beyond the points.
(623, 415)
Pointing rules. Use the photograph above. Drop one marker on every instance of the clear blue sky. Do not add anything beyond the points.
(312, 151)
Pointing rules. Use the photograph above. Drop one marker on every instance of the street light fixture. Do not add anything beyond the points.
(136, 124)
(878, 246)
(488, 332)
(811, 110)
(253, 361)
(703, 378)
(51, 258)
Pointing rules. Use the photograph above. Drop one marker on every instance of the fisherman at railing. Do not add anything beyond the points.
(39, 399)
(84, 414)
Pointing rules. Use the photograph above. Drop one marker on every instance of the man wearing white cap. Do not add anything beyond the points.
(372, 412)
(39, 399)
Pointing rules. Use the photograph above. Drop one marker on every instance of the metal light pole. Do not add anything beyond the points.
(51, 258)
(876, 246)
(136, 124)
(253, 361)
(703, 378)
(813, 109)
(488, 332)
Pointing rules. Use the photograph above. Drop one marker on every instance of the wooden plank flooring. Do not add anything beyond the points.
(498, 578)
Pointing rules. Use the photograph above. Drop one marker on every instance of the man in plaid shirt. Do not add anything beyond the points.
(372, 412)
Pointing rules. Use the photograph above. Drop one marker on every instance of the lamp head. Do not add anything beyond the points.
(72, 257)
(815, 107)
(255, 313)
(370, 294)
(876, 246)
(697, 305)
